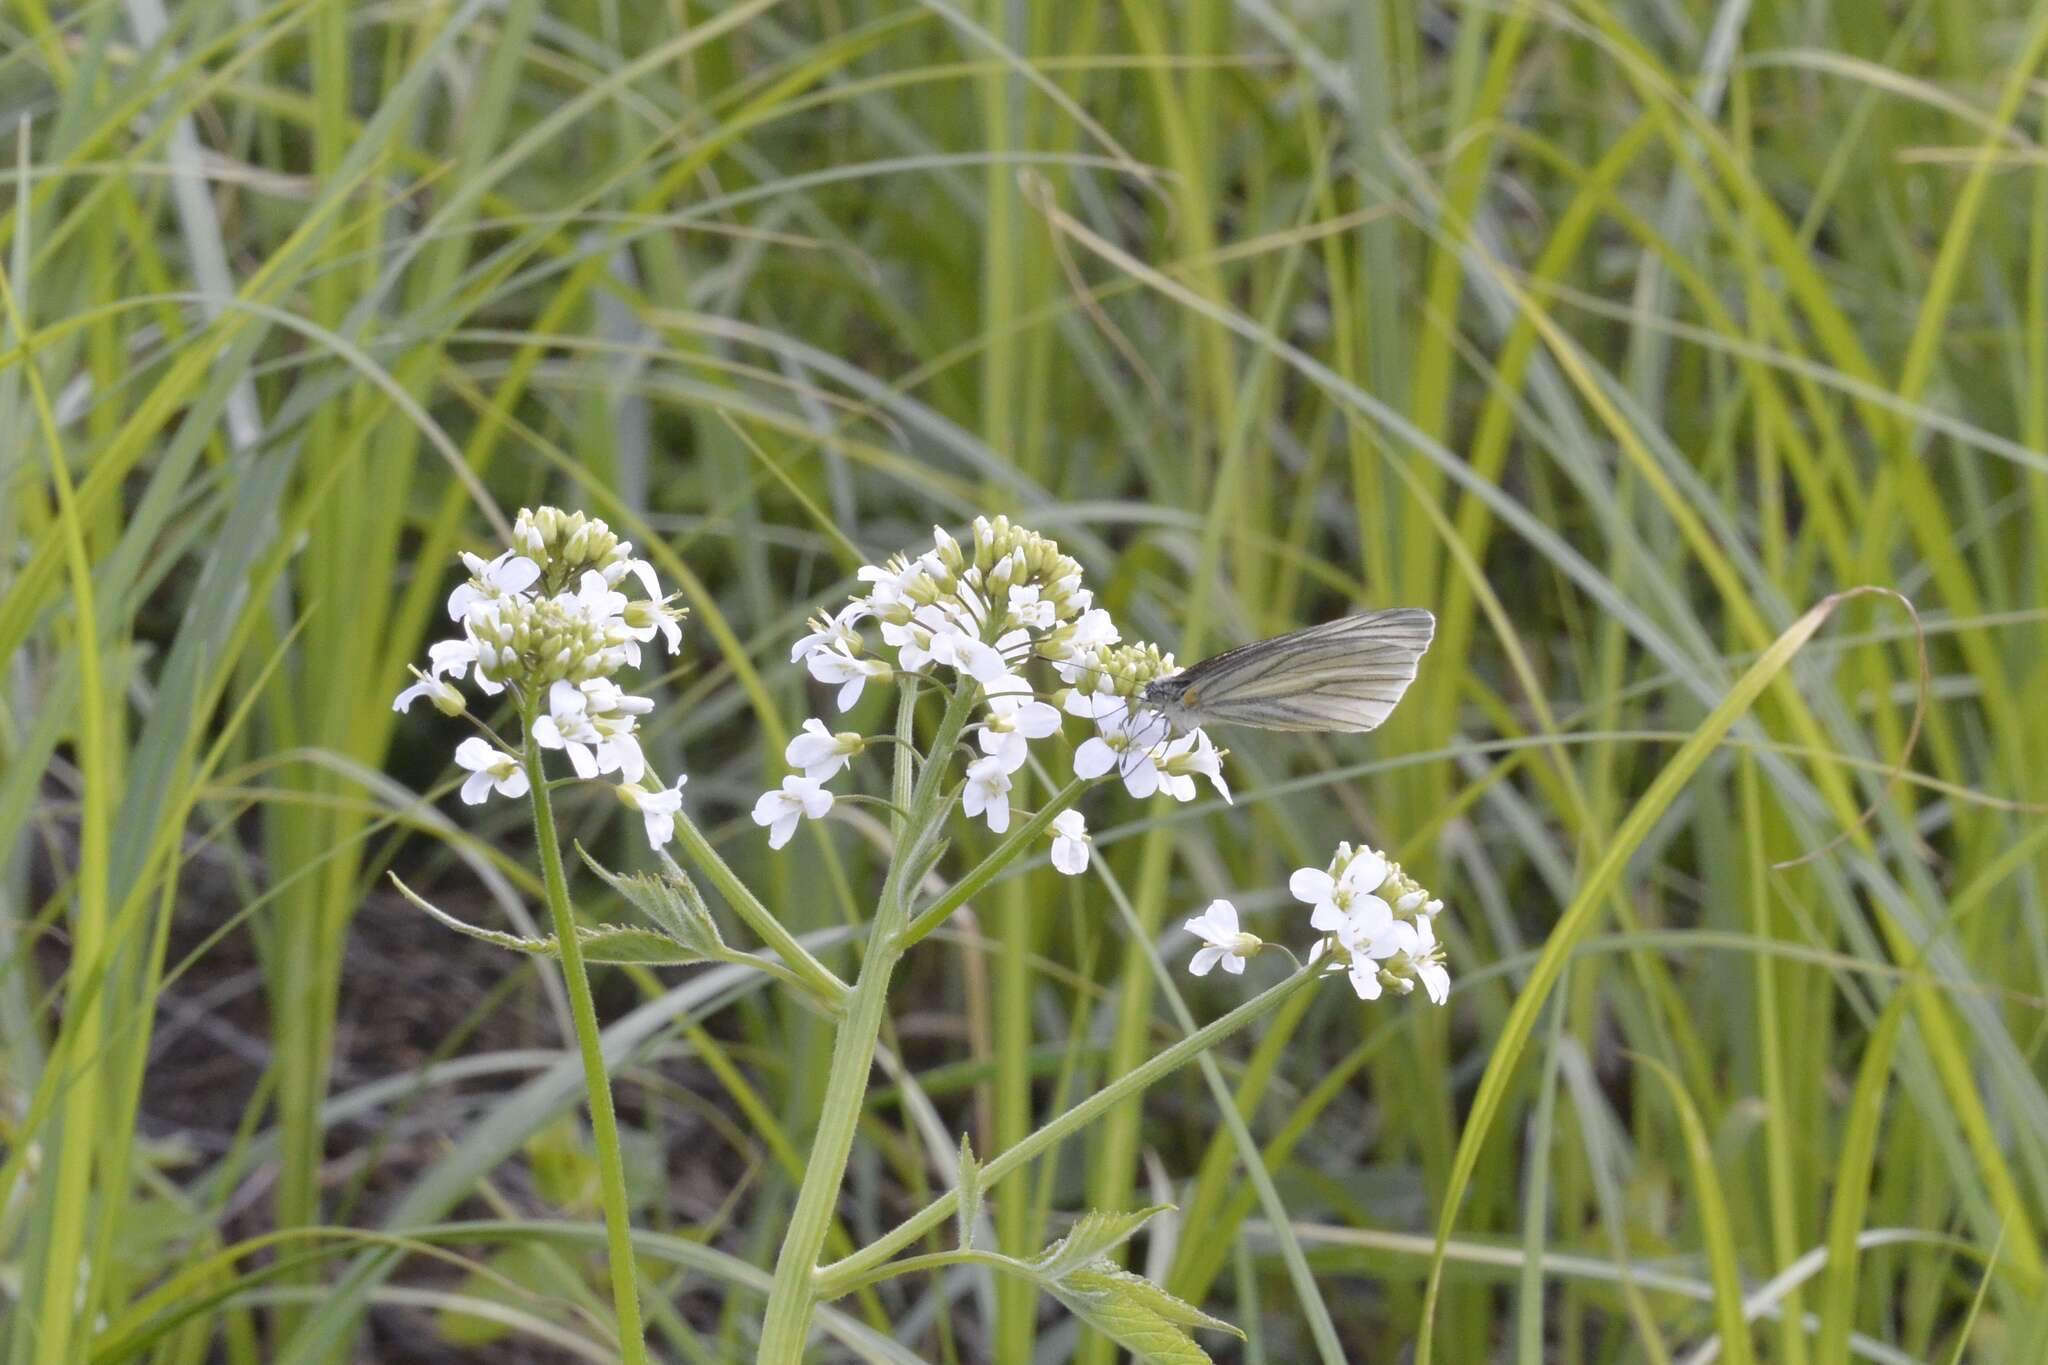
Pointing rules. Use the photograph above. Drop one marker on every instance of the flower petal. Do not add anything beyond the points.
(476, 753)
(1093, 758)
(1311, 886)
(1368, 868)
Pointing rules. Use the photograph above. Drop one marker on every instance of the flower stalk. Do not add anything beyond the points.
(793, 1297)
(604, 1126)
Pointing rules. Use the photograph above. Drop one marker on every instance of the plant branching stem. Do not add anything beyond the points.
(985, 872)
(842, 1277)
(817, 978)
(793, 1297)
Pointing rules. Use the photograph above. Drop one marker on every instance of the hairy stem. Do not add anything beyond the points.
(604, 1126)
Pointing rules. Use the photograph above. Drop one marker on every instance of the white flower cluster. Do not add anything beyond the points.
(1105, 680)
(547, 619)
(1379, 927)
(985, 610)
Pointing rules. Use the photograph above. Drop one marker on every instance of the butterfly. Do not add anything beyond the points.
(1343, 676)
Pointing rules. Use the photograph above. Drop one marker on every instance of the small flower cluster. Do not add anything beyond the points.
(547, 619)
(1106, 682)
(985, 610)
(1379, 927)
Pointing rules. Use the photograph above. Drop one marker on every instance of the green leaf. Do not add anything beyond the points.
(564, 1173)
(1091, 1238)
(1137, 1314)
(605, 943)
(968, 1210)
(930, 860)
(672, 902)
(513, 1277)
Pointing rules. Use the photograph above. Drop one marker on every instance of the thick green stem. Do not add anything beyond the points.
(604, 1126)
(793, 1297)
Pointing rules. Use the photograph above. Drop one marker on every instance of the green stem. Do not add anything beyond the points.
(793, 1297)
(604, 1125)
(842, 1277)
(819, 979)
(985, 872)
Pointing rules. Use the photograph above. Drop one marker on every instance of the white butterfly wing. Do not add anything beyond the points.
(1343, 676)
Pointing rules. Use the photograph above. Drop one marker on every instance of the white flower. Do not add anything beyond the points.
(597, 599)
(929, 634)
(820, 753)
(1223, 941)
(1015, 718)
(889, 588)
(1127, 744)
(1090, 631)
(639, 568)
(641, 621)
(1365, 978)
(981, 662)
(509, 573)
(1431, 972)
(1371, 934)
(988, 792)
(452, 658)
(567, 726)
(1415, 956)
(1192, 754)
(602, 696)
(1093, 700)
(657, 808)
(1028, 608)
(840, 669)
(1337, 898)
(1070, 842)
(593, 724)
(489, 767)
(800, 798)
(447, 699)
(830, 632)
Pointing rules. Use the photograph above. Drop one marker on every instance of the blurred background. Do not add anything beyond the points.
(1617, 332)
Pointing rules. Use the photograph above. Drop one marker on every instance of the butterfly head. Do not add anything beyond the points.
(1174, 700)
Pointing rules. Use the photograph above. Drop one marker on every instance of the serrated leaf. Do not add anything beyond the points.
(672, 902)
(1093, 1236)
(1136, 1314)
(621, 943)
(601, 943)
(967, 1211)
(1149, 1293)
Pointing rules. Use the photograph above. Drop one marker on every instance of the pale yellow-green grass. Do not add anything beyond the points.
(1622, 334)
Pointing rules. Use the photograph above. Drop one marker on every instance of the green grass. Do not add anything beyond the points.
(1620, 333)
